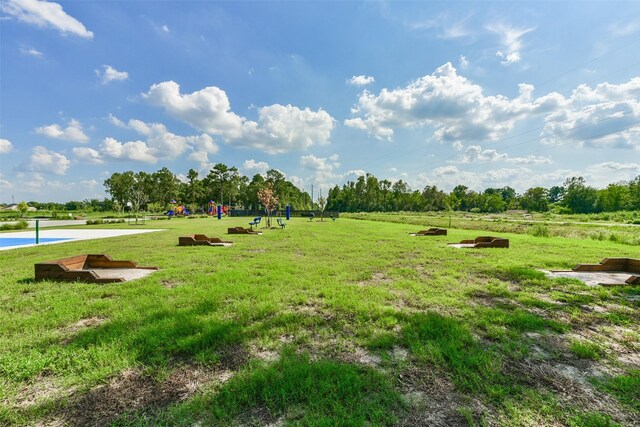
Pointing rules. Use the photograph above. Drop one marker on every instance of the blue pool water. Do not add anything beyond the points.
(17, 241)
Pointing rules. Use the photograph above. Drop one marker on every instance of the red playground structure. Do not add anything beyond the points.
(177, 210)
(213, 208)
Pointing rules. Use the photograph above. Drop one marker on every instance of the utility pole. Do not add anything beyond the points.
(311, 196)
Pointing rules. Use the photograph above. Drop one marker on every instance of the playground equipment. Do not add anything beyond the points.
(177, 210)
(482, 242)
(431, 232)
(92, 268)
(201, 239)
(609, 272)
(213, 208)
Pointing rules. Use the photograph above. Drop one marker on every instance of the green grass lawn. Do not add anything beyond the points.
(351, 323)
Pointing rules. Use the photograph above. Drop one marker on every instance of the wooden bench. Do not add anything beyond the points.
(280, 223)
(92, 268)
(201, 239)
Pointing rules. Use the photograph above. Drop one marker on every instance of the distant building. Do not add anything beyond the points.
(14, 207)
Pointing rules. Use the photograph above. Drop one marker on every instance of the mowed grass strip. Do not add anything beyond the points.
(347, 294)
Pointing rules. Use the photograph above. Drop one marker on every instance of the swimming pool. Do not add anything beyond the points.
(18, 241)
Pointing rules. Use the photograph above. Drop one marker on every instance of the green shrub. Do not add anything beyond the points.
(102, 221)
(540, 230)
(20, 225)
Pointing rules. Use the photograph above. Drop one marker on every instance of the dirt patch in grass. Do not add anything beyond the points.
(134, 391)
(171, 283)
(234, 356)
(361, 356)
(42, 388)
(81, 324)
(264, 354)
(72, 330)
(259, 416)
(571, 386)
(433, 401)
(425, 272)
(314, 307)
(377, 279)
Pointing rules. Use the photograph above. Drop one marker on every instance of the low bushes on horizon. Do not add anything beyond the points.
(20, 225)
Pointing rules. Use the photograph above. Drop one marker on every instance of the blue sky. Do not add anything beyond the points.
(484, 94)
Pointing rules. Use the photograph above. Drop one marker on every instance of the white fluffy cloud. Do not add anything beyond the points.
(361, 80)
(159, 143)
(134, 150)
(602, 174)
(284, 128)
(475, 153)
(116, 121)
(323, 170)
(457, 110)
(207, 109)
(279, 129)
(43, 160)
(5, 146)
(607, 115)
(109, 74)
(45, 14)
(87, 155)
(455, 107)
(73, 132)
(511, 41)
(202, 158)
(255, 167)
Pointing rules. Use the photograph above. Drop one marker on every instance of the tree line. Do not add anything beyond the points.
(369, 194)
(225, 185)
(222, 185)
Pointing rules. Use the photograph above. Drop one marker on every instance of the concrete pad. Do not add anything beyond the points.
(594, 278)
(122, 273)
(73, 235)
(462, 245)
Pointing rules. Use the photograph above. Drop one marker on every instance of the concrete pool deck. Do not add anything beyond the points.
(70, 235)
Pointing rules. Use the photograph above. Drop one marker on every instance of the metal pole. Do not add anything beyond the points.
(37, 231)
